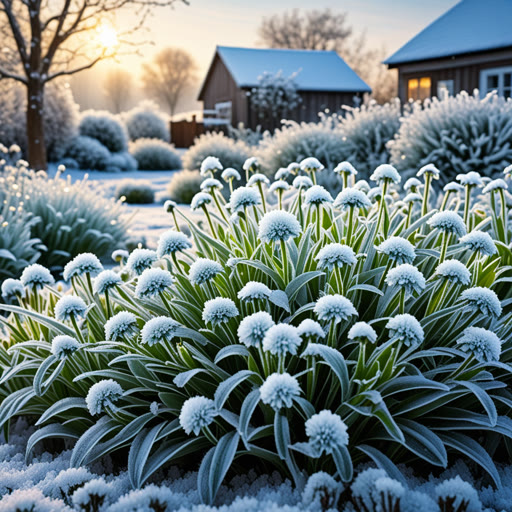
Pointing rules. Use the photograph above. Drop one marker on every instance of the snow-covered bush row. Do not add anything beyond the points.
(457, 134)
(155, 155)
(87, 153)
(146, 122)
(308, 336)
(135, 191)
(105, 128)
(184, 185)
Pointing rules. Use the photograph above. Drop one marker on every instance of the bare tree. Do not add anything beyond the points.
(118, 88)
(167, 76)
(48, 39)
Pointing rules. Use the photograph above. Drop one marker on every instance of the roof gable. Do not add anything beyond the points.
(468, 27)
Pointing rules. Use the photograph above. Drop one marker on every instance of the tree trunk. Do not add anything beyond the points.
(35, 126)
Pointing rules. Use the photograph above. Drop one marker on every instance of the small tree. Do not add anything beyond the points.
(170, 72)
(118, 87)
(274, 98)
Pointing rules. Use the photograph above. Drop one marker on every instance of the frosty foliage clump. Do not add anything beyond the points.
(105, 128)
(88, 153)
(135, 191)
(184, 185)
(120, 162)
(146, 122)
(155, 155)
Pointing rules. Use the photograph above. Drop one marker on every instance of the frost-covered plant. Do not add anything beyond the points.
(155, 155)
(88, 153)
(135, 191)
(184, 185)
(122, 161)
(146, 122)
(105, 128)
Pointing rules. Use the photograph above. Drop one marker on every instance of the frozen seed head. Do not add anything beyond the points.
(203, 270)
(279, 390)
(321, 492)
(375, 194)
(170, 206)
(200, 200)
(334, 308)
(493, 185)
(210, 164)
(483, 300)
(279, 186)
(282, 174)
(472, 179)
(37, 276)
(251, 164)
(252, 328)
(242, 198)
(479, 241)
(210, 184)
(414, 501)
(258, 178)
(392, 489)
(386, 172)
(153, 281)
(302, 182)
(158, 330)
(453, 187)
(412, 197)
(172, 242)
(105, 281)
(120, 255)
(448, 222)
(481, 343)
(281, 339)
(508, 170)
(361, 331)
(363, 486)
(140, 260)
(326, 432)
(230, 174)
(85, 263)
(219, 310)
(121, 325)
(103, 394)
(345, 168)
(363, 186)
(63, 346)
(398, 249)
(311, 164)
(352, 198)
(459, 494)
(196, 413)
(92, 492)
(69, 307)
(277, 226)
(412, 185)
(335, 255)
(454, 271)
(429, 169)
(254, 291)
(317, 195)
(407, 329)
(406, 276)
(310, 329)
(153, 408)
(293, 167)
(12, 288)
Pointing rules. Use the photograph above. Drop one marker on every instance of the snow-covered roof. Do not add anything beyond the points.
(316, 70)
(470, 26)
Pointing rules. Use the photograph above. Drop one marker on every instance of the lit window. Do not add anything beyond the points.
(419, 88)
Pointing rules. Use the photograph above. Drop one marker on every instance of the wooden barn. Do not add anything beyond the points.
(469, 47)
(323, 78)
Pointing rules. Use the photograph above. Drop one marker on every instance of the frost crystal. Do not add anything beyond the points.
(456, 492)
(85, 263)
(140, 259)
(171, 242)
(482, 299)
(254, 291)
(196, 413)
(103, 394)
(244, 197)
(36, 275)
(386, 172)
(158, 330)
(123, 324)
(281, 339)
(317, 195)
(252, 328)
(219, 310)
(199, 200)
(398, 249)
(210, 164)
(406, 328)
(334, 308)
(278, 225)
(105, 281)
(352, 198)
(361, 331)
(12, 288)
(406, 276)
(69, 307)
(481, 343)
(310, 329)
(152, 282)
(454, 271)
(335, 255)
(326, 432)
(479, 241)
(302, 182)
(203, 270)
(279, 390)
(63, 346)
(449, 222)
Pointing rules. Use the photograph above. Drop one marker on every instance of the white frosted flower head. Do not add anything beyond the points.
(204, 270)
(120, 255)
(281, 339)
(454, 271)
(172, 242)
(230, 174)
(254, 290)
(251, 164)
(363, 486)
(281, 174)
(412, 197)
(482, 299)
(153, 408)
(448, 222)
(170, 206)
(398, 249)
(85, 263)
(279, 186)
(252, 328)
(481, 343)
(29, 499)
(105, 281)
(122, 324)
(361, 331)
(37, 276)
(103, 394)
(160, 329)
(317, 195)
(219, 310)
(308, 328)
(279, 390)
(406, 276)
(140, 260)
(326, 432)
(414, 501)
(196, 413)
(392, 489)
(412, 185)
(334, 308)
(363, 186)
(345, 168)
(302, 182)
(386, 172)
(321, 492)
(498, 184)
(407, 329)
(293, 167)
(472, 179)
(210, 184)
(210, 164)
(64, 345)
(68, 307)
(258, 178)
(335, 255)
(429, 169)
(479, 241)
(453, 187)
(375, 194)
(311, 164)
(92, 492)
(277, 226)
(508, 170)
(153, 281)
(242, 198)
(200, 200)
(12, 288)
(460, 494)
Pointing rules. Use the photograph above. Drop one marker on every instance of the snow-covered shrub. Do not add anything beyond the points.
(88, 153)
(231, 153)
(246, 135)
(121, 162)
(135, 191)
(105, 128)
(146, 122)
(457, 134)
(155, 155)
(184, 185)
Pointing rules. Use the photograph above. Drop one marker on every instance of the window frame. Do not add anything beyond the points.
(418, 79)
(500, 73)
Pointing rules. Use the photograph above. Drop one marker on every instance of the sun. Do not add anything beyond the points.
(107, 37)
